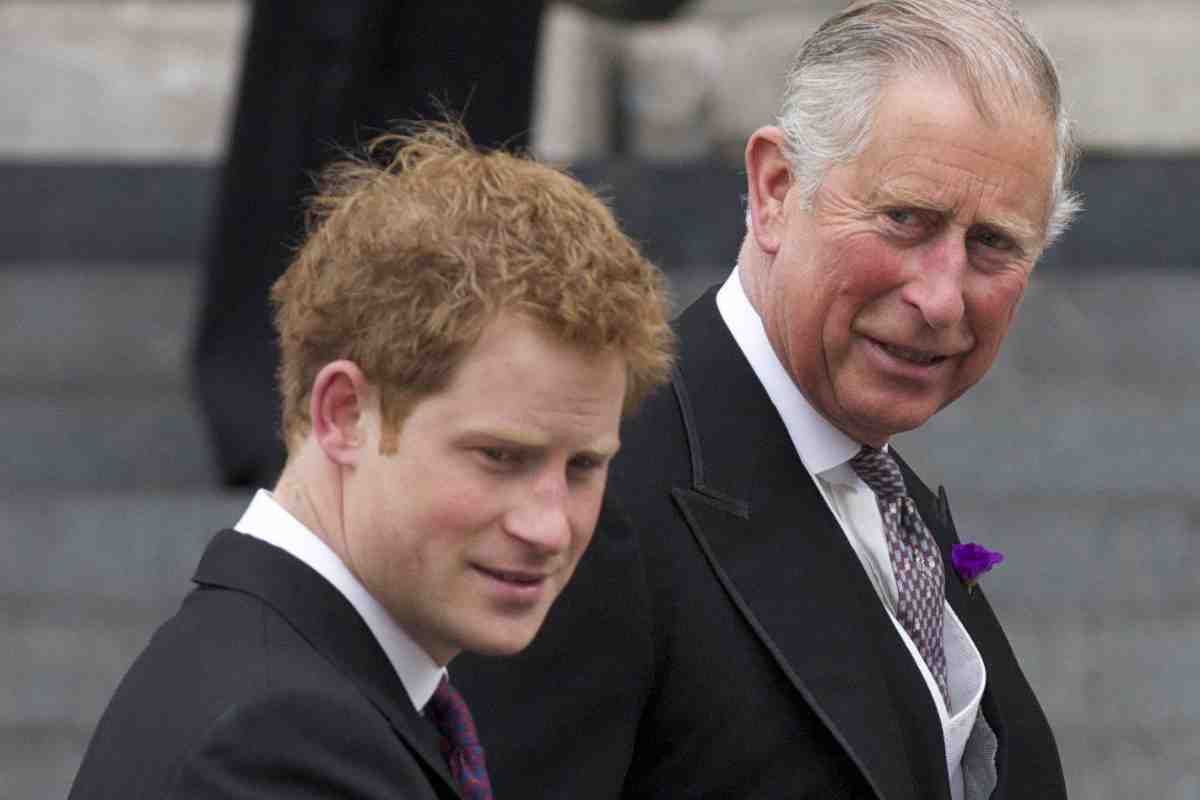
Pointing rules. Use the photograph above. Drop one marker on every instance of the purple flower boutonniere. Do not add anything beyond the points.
(971, 560)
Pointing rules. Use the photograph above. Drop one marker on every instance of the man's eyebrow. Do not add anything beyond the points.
(603, 448)
(608, 449)
(898, 195)
(1010, 225)
(514, 436)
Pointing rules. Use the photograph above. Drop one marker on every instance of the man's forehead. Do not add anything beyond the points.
(932, 149)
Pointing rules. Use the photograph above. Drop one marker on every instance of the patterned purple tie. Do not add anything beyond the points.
(916, 561)
(460, 742)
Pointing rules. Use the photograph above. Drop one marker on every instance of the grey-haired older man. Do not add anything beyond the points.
(769, 610)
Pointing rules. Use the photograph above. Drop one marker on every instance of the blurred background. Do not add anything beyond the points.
(1074, 456)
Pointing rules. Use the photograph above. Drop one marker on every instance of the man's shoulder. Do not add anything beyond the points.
(221, 648)
(712, 411)
(228, 687)
(266, 738)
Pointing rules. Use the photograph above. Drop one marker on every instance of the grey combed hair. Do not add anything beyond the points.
(836, 78)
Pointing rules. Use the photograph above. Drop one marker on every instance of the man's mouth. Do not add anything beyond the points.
(515, 577)
(922, 358)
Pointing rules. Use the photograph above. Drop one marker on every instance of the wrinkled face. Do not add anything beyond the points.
(891, 297)
(470, 529)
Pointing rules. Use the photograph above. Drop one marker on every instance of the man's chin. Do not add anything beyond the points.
(499, 642)
(877, 426)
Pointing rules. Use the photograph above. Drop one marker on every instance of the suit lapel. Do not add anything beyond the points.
(785, 563)
(331, 625)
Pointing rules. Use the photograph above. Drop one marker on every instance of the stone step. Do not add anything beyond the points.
(87, 578)
(109, 213)
(1093, 393)
(1082, 560)
(1130, 761)
(126, 552)
(103, 436)
(1016, 435)
(38, 761)
(86, 324)
(686, 216)
(1115, 674)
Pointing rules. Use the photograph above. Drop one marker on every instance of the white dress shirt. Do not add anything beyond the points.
(265, 519)
(825, 452)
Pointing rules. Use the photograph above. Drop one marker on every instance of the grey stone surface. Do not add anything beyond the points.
(120, 79)
(669, 71)
(732, 10)
(1018, 436)
(67, 212)
(1120, 675)
(1082, 561)
(39, 762)
(574, 113)
(94, 387)
(66, 674)
(1131, 762)
(1093, 393)
(1129, 70)
(87, 577)
(106, 436)
(1135, 326)
(758, 50)
(117, 552)
(73, 325)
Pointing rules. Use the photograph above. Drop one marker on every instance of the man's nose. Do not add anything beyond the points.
(936, 287)
(540, 516)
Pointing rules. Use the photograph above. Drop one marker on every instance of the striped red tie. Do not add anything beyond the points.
(460, 741)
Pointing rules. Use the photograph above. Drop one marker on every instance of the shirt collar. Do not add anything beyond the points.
(267, 520)
(823, 448)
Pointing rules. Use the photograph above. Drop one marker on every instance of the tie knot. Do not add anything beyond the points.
(448, 711)
(879, 471)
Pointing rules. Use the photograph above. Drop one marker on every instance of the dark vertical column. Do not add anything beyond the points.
(318, 78)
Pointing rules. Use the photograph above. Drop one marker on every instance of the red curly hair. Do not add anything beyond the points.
(414, 248)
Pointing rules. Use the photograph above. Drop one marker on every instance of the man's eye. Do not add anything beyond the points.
(584, 462)
(584, 465)
(992, 240)
(901, 216)
(501, 456)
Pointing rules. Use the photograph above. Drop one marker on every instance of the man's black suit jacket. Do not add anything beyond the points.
(266, 683)
(720, 637)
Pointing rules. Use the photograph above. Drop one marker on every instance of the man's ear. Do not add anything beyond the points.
(768, 178)
(340, 405)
